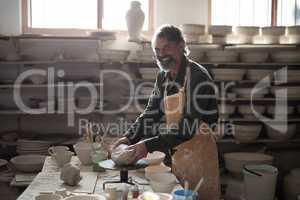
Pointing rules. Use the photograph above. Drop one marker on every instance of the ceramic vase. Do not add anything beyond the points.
(135, 20)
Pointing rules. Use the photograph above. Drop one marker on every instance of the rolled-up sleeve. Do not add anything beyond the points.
(143, 126)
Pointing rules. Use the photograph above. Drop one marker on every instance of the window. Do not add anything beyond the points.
(288, 12)
(255, 12)
(241, 12)
(44, 16)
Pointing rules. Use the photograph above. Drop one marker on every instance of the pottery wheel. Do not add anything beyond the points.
(111, 165)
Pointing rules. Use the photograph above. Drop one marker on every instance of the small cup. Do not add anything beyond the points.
(185, 195)
(57, 149)
(63, 158)
(111, 192)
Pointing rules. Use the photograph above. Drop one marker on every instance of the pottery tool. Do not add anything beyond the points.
(198, 185)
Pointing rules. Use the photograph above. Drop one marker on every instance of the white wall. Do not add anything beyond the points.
(10, 17)
(181, 11)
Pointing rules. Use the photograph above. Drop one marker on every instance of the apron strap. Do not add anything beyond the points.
(187, 72)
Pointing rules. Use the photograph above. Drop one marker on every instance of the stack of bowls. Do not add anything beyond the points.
(228, 74)
(286, 56)
(291, 75)
(291, 185)
(237, 160)
(292, 91)
(219, 56)
(258, 74)
(292, 37)
(218, 33)
(247, 132)
(280, 131)
(145, 55)
(196, 53)
(226, 109)
(270, 35)
(192, 32)
(253, 57)
(248, 113)
(247, 92)
(113, 55)
(271, 109)
(219, 30)
(28, 163)
(148, 73)
(243, 35)
(25, 147)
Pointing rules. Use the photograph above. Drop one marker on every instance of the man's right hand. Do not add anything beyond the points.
(123, 140)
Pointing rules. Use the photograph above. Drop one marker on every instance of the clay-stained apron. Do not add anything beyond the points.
(197, 157)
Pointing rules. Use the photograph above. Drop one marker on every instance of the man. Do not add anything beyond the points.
(185, 96)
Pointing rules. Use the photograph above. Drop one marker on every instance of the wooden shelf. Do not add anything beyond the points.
(53, 62)
(255, 120)
(232, 140)
(33, 36)
(11, 86)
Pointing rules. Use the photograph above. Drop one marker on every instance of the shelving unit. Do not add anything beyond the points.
(136, 63)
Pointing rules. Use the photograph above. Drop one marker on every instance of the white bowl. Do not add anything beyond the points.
(238, 39)
(219, 30)
(289, 39)
(196, 54)
(290, 76)
(86, 197)
(273, 30)
(254, 57)
(37, 79)
(247, 133)
(28, 163)
(155, 196)
(247, 30)
(286, 56)
(155, 158)
(280, 135)
(110, 55)
(235, 161)
(293, 30)
(271, 110)
(265, 39)
(258, 74)
(193, 28)
(292, 91)
(246, 92)
(162, 182)
(226, 109)
(228, 74)
(48, 197)
(154, 169)
(222, 56)
(247, 109)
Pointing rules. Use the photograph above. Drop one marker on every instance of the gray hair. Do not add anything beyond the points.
(172, 34)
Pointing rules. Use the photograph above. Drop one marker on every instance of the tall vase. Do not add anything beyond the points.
(135, 20)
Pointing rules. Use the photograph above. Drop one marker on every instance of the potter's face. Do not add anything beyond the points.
(167, 54)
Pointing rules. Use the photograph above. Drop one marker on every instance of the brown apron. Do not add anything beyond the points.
(197, 157)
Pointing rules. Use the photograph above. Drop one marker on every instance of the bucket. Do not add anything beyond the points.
(260, 187)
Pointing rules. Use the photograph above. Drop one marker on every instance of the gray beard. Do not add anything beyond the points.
(166, 64)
